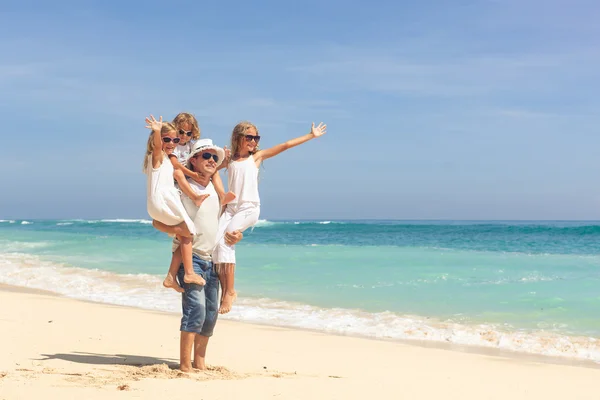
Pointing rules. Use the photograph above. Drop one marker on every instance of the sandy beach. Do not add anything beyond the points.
(54, 348)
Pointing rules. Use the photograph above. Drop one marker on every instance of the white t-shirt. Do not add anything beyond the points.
(206, 220)
(182, 152)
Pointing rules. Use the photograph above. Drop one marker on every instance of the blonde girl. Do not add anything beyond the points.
(164, 200)
(243, 212)
(188, 132)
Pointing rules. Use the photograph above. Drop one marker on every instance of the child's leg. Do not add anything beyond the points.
(175, 230)
(224, 198)
(185, 187)
(188, 267)
(224, 221)
(229, 294)
(179, 231)
(170, 281)
(245, 217)
(222, 279)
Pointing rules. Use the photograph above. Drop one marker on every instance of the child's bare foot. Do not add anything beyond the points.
(227, 301)
(171, 283)
(198, 200)
(194, 278)
(228, 197)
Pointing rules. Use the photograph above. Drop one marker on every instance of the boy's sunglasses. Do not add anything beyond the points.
(207, 156)
(250, 138)
(182, 132)
(169, 139)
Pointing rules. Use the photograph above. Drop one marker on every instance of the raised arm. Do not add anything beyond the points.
(225, 162)
(315, 132)
(157, 153)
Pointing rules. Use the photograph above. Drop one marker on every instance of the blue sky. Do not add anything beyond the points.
(435, 109)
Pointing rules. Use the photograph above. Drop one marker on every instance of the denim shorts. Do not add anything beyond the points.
(200, 306)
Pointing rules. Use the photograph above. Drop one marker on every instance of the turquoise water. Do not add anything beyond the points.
(526, 286)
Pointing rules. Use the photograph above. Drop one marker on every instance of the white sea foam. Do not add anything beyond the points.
(145, 291)
(10, 221)
(64, 223)
(261, 223)
(26, 223)
(9, 246)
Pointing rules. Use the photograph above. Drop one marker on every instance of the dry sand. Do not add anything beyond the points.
(57, 348)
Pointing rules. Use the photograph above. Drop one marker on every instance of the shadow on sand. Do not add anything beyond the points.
(110, 359)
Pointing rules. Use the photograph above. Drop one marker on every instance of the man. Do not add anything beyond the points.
(200, 304)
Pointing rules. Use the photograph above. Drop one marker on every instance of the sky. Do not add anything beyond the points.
(479, 109)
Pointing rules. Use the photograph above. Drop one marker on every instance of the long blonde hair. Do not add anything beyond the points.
(190, 119)
(167, 127)
(238, 134)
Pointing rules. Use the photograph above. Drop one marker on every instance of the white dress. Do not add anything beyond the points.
(164, 199)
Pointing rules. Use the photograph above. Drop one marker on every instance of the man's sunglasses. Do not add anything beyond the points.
(250, 138)
(182, 132)
(207, 156)
(167, 139)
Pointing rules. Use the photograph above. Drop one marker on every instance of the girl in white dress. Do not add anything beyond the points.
(244, 210)
(164, 199)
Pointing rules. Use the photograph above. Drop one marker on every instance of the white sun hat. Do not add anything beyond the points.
(202, 145)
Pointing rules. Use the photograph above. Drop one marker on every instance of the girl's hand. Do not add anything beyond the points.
(227, 153)
(155, 125)
(318, 130)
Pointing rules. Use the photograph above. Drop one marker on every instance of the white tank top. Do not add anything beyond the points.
(243, 181)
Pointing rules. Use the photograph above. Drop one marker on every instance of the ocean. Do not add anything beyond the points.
(530, 287)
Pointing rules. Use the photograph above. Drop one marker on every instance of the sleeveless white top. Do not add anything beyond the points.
(243, 181)
(164, 199)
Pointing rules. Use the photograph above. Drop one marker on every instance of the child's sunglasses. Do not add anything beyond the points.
(207, 156)
(250, 138)
(182, 132)
(169, 139)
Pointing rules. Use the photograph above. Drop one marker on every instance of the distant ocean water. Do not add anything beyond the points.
(526, 286)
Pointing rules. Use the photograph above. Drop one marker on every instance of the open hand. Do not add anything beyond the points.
(153, 124)
(227, 153)
(318, 130)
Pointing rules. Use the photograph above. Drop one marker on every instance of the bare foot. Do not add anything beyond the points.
(171, 283)
(194, 278)
(200, 366)
(227, 301)
(186, 368)
(229, 197)
(198, 200)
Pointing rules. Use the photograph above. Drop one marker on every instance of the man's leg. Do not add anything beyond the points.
(211, 298)
(186, 342)
(193, 312)
(200, 344)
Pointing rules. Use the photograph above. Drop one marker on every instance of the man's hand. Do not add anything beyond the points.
(234, 237)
